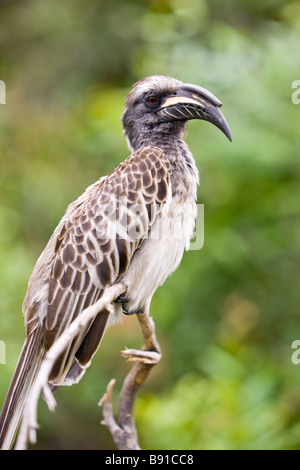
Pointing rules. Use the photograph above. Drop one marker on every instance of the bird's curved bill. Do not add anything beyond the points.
(194, 102)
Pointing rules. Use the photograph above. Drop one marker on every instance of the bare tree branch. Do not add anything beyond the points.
(124, 432)
(40, 385)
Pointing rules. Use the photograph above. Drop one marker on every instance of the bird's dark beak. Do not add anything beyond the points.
(193, 102)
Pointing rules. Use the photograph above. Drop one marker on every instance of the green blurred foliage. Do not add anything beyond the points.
(227, 317)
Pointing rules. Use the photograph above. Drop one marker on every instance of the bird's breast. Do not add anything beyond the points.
(162, 251)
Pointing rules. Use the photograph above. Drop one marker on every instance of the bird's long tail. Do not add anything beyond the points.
(26, 369)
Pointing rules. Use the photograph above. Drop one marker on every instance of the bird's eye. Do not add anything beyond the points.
(152, 99)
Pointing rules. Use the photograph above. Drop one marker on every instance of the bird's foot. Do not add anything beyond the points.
(146, 357)
(122, 299)
(126, 312)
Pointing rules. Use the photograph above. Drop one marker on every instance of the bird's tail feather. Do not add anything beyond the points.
(26, 369)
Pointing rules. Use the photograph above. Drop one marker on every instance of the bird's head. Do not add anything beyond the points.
(160, 105)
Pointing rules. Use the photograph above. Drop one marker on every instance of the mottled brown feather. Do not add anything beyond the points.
(88, 256)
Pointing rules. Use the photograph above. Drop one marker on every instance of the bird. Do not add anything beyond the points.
(131, 226)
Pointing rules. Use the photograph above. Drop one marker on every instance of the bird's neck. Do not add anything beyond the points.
(173, 146)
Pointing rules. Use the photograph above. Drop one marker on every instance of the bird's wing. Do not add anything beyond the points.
(94, 245)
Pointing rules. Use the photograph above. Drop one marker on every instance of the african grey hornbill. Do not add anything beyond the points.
(131, 226)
